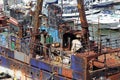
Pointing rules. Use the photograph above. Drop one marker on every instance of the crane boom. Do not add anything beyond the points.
(36, 23)
(38, 12)
(83, 20)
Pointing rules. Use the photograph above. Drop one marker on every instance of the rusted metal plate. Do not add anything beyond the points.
(44, 75)
(67, 72)
(13, 21)
(57, 77)
(78, 75)
(41, 75)
(13, 65)
(108, 59)
(27, 70)
(115, 77)
(23, 69)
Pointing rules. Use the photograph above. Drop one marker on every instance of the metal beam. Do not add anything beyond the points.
(84, 24)
(36, 24)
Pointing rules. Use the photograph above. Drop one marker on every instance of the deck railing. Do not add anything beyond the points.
(110, 42)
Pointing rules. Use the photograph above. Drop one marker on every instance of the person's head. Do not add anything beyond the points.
(78, 36)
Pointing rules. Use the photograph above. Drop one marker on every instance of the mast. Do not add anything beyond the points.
(36, 25)
(84, 24)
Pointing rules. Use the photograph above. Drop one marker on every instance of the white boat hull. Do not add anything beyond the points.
(101, 4)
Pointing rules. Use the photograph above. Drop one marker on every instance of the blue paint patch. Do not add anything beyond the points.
(45, 66)
(77, 67)
(76, 59)
(4, 62)
(60, 71)
(10, 53)
(51, 31)
(3, 40)
(34, 62)
(77, 64)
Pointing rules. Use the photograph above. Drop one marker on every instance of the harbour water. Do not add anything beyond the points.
(105, 33)
(106, 36)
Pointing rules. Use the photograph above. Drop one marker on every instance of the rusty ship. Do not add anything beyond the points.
(43, 52)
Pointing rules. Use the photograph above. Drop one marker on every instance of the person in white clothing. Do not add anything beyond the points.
(76, 44)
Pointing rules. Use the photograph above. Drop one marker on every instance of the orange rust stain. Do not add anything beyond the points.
(67, 72)
(41, 74)
(110, 61)
(115, 77)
